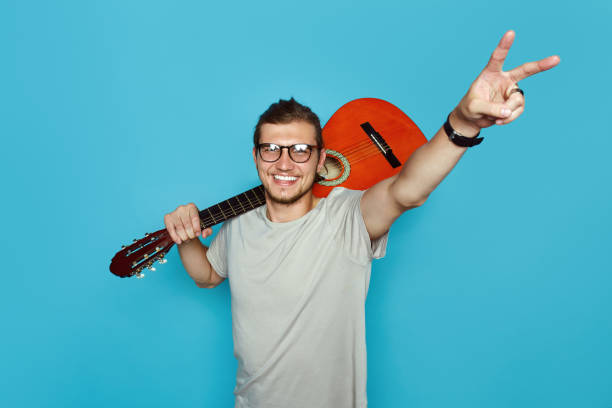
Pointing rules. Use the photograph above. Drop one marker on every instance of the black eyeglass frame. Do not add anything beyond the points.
(260, 145)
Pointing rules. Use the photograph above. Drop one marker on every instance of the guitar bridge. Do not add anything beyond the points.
(382, 145)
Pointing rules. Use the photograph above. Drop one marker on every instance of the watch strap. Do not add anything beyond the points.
(458, 138)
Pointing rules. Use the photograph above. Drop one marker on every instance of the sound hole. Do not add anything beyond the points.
(332, 168)
(336, 169)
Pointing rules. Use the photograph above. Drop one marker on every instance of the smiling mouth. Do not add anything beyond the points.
(284, 181)
(284, 178)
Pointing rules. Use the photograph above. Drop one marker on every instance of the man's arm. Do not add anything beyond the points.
(384, 202)
(193, 256)
(489, 101)
(183, 225)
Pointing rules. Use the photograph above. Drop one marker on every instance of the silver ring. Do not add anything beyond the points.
(513, 90)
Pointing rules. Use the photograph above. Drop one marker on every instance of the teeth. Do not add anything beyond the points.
(285, 178)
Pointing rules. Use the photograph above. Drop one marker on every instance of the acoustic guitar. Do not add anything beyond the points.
(366, 141)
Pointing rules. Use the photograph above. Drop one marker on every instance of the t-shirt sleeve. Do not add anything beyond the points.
(344, 215)
(217, 251)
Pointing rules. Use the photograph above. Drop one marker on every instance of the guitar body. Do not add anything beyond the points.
(366, 140)
(356, 158)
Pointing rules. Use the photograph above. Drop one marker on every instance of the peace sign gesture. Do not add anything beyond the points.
(494, 97)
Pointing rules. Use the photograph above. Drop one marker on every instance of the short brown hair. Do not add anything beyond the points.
(287, 111)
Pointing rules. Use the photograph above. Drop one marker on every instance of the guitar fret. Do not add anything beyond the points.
(230, 206)
(222, 212)
(247, 197)
(211, 215)
(237, 198)
(254, 195)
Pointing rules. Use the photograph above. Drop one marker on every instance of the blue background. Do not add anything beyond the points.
(495, 293)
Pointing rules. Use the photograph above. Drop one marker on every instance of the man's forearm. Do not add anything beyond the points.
(193, 256)
(430, 164)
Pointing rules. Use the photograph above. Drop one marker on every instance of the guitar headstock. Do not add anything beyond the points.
(142, 254)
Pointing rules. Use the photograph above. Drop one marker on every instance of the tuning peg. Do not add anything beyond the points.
(123, 247)
(146, 234)
(152, 268)
(163, 261)
(140, 275)
(134, 240)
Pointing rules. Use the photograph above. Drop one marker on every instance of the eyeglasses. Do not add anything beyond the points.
(299, 153)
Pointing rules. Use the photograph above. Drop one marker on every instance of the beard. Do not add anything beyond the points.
(291, 199)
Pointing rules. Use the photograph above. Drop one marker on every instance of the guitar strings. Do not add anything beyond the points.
(224, 210)
(349, 148)
(364, 146)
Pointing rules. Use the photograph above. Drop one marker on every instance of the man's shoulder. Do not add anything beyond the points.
(342, 199)
(343, 193)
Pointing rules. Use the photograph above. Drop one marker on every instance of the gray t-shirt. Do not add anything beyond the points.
(298, 292)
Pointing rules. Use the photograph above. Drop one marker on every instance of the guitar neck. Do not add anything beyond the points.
(238, 204)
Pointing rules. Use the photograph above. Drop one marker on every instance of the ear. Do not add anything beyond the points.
(255, 156)
(322, 156)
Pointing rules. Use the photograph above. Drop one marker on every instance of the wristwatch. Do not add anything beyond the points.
(459, 139)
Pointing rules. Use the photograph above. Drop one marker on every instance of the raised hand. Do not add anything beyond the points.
(492, 97)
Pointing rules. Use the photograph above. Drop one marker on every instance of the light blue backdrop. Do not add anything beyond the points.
(495, 293)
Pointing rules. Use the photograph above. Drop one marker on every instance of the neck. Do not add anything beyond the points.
(278, 212)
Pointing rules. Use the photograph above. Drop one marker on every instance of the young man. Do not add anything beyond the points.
(299, 266)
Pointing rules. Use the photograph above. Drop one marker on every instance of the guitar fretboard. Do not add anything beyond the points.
(232, 207)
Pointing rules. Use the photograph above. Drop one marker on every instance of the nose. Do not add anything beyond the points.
(284, 162)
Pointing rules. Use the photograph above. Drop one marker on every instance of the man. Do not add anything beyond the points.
(299, 266)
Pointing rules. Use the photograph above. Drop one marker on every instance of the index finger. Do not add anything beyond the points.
(195, 219)
(496, 62)
(530, 68)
